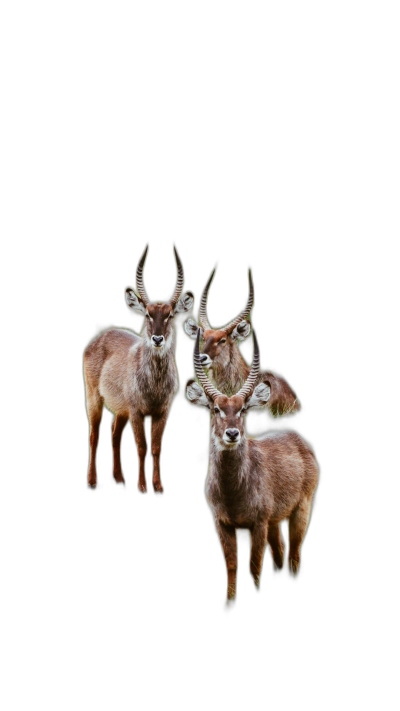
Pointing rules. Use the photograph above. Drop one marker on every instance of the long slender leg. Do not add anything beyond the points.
(276, 543)
(259, 535)
(117, 428)
(298, 523)
(227, 536)
(140, 437)
(157, 429)
(94, 413)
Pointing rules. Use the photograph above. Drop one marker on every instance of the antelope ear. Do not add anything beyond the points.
(260, 396)
(191, 328)
(196, 394)
(241, 331)
(185, 303)
(134, 301)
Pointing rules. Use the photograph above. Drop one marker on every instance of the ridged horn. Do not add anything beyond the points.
(203, 304)
(207, 386)
(252, 377)
(243, 314)
(179, 281)
(139, 278)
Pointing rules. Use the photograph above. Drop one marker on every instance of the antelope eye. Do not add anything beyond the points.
(147, 315)
(223, 340)
(217, 410)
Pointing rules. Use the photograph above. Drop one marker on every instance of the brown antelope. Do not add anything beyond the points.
(222, 356)
(254, 483)
(135, 376)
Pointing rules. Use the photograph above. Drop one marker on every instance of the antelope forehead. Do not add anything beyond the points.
(231, 407)
(159, 309)
(213, 336)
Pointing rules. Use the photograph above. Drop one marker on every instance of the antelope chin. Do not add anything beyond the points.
(228, 444)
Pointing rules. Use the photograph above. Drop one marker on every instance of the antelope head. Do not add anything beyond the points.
(228, 413)
(218, 343)
(158, 327)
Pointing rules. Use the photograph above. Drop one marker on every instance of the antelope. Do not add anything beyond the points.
(253, 483)
(228, 368)
(135, 376)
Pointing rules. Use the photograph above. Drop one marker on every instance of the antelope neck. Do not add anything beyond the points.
(230, 460)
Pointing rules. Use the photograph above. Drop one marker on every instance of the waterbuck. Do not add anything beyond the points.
(221, 354)
(253, 483)
(135, 376)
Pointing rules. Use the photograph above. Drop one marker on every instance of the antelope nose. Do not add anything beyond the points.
(232, 434)
(203, 358)
(157, 340)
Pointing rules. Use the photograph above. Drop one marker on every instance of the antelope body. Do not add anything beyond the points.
(135, 376)
(254, 483)
(227, 367)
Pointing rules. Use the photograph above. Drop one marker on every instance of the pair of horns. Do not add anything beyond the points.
(210, 390)
(243, 314)
(140, 285)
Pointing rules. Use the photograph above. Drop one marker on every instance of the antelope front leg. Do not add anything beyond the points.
(227, 536)
(157, 429)
(117, 428)
(259, 535)
(140, 437)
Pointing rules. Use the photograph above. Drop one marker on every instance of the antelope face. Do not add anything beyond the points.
(218, 344)
(228, 414)
(216, 348)
(228, 421)
(158, 326)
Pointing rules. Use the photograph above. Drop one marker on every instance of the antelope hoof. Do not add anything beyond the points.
(119, 478)
(91, 484)
(294, 566)
(229, 603)
(275, 569)
(158, 486)
(142, 487)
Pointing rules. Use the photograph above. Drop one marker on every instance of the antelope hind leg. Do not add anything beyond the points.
(276, 543)
(227, 536)
(298, 523)
(95, 411)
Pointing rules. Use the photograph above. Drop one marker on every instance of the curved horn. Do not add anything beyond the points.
(252, 377)
(203, 304)
(139, 278)
(243, 314)
(207, 386)
(179, 281)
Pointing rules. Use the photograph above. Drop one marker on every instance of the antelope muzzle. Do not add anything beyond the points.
(157, 341)
(231, 436)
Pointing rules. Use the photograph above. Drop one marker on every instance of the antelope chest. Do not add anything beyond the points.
(156, 386)
(234, 502)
